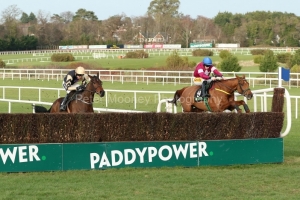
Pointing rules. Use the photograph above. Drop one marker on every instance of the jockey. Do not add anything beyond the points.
(71, 82)
(202, 71)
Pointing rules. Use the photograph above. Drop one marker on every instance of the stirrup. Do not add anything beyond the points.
(197, 99)
(63, 107)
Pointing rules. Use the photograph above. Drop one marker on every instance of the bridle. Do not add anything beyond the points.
(234, 89)
(95, 89)
(243, 91)
(92, 92)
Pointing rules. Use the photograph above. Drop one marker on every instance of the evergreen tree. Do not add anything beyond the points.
(24, 18)
(269, 62)
(230, 63)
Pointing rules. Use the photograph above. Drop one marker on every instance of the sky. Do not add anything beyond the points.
(104, 9)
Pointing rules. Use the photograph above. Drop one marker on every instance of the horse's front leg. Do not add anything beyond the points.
(246, 108)
(236, 104)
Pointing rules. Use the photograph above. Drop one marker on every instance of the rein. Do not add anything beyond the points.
(231, 89)
(92, 92)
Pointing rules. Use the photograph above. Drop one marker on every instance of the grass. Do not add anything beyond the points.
(262, 181)
(155, 61)
(268, 181)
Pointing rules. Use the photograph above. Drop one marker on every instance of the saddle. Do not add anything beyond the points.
(198, 92)
(72, 96)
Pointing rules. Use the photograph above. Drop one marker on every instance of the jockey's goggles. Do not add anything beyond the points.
(79, 74)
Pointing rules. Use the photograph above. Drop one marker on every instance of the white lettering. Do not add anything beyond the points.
(160, 155)
(33, 150)
(152, 152)
(193, 150)
(104, 161)
(129, 156)
(181, 150)
(141, 154)
(94, 158)
(126, 155)
(12, 155)
(202, 149)
(22, 154)
(113, 158)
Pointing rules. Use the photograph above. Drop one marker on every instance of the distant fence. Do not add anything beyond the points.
(181, 51)
(147, 76)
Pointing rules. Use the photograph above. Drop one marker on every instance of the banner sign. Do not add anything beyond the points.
(153, 46)
(130, 46)
(65, 47)
(97, 46)
(76, 156)
(201, 45)
(229, 45)
(73, 47)
(172, 46)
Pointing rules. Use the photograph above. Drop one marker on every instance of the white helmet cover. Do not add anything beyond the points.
(79, 70)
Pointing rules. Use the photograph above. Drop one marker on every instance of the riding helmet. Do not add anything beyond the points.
(79, 70)
(207, 61)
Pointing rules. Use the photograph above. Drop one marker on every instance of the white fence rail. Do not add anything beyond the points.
(147, 76)
(259, 97)
(181, 51)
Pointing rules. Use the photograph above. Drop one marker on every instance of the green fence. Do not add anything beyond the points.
(76, 156)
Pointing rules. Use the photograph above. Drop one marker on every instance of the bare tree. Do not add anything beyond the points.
(186, 25)
(163, 12)
(9, 17)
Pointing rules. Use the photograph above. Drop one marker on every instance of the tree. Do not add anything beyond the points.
(9, 16)
(269, 62)
(32, 18)
(83, 14)
(163, 11)
(295, 59)
(2, 63)
(11, 13)
(186, 25)
(230, 63)
(24, 18)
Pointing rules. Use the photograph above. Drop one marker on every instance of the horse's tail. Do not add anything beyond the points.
(41, 109)
(177, 95)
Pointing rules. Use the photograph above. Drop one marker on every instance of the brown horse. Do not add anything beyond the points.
(221, 96)
(81, 102)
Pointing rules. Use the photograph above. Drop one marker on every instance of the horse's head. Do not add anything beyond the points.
(243, 87)
(97, 85)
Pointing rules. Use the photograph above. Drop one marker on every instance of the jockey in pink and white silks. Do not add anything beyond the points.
(202, 73)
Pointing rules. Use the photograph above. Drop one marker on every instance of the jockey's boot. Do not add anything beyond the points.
(63, 105)
(204, 90)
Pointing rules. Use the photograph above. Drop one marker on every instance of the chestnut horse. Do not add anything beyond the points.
(221, 96)
(81, 102)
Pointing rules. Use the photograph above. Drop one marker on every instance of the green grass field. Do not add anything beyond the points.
(154, 61)
(262, 181)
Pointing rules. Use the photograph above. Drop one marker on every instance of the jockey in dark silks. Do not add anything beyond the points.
(74, 80)
(201, 74)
